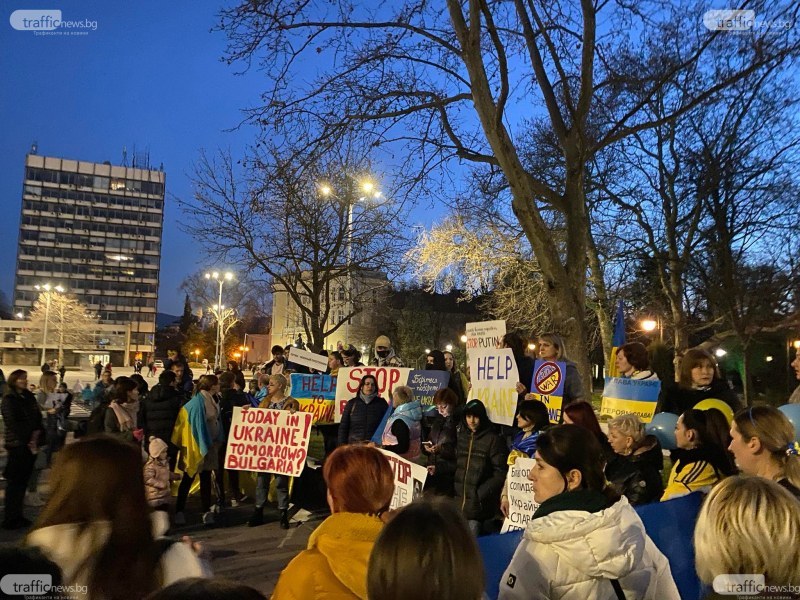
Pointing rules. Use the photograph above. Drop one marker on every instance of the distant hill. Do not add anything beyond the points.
(164, 320)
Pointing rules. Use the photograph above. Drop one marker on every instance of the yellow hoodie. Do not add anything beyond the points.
(335, 564)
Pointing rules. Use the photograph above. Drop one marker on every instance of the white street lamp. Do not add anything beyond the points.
(47, 297)
(719, 352)
(449, 347)
(221, 279)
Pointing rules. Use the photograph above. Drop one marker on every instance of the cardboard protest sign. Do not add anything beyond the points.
(316, 394)
(409, 480)
(485, 335)
(308, 359)
(349, 378)
(547, 385)
(494, 382)
(622, 395)
(269, 441)
(426, 383)
(521, 504)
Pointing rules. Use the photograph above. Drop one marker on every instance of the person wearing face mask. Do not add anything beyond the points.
(384, 354)
(363, 414)
(584, 540)
(440, 446)
(699, 380)
(480, 467)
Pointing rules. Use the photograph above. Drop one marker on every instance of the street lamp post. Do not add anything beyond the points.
(650, 325)
(47, 287)
(221, 279)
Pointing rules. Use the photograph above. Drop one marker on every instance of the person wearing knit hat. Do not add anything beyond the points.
(384, 354)
(157, 475)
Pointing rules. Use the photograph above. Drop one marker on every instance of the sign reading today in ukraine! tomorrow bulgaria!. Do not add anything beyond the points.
(268, 441)
(622, 395)
(494, 382)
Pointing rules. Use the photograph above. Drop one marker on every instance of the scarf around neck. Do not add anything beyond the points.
(367, 398)
(126, 414)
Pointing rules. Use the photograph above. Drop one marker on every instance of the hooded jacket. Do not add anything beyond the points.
(159, 411)
(575, 554)
(390, 360)
(480, 468)
(638, 476)
(403, 432)
(334, 567)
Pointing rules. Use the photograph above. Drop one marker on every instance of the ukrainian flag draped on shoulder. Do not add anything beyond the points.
(618, 339)
(190, 434)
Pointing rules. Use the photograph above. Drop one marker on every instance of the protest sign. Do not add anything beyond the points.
(622, 396)
(269, 441)
(349, 378)
(316, 395)
(409, 480)
(485, 335)
(426, 383)
(521, 504)
(547, 385)
(494, 382)
(308, 359)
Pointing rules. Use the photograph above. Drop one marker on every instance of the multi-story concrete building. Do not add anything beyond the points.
(94, 229)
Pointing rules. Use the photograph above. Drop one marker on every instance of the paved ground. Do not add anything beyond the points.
(251, 555)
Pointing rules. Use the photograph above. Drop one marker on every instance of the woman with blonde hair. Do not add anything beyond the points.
(635, 469)
(763, 444)
(749, 525)
(551, 347)
(360, 485)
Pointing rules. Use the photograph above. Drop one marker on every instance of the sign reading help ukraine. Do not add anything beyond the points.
(494, 382)
(622, 396)
(316, 395)
(426, 383)
(521, 504)
(548, 386)
(350, 377)
(409, 480)
(268, 441)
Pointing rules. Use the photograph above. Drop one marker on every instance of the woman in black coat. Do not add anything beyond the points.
(440, 445)
(699, 380)
(24, 435)
(363, 414)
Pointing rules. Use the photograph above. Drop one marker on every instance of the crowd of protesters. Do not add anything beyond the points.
(584, 539)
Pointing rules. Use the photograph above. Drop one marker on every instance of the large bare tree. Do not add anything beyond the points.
(307, 228)
(464, 79)
(69, 324)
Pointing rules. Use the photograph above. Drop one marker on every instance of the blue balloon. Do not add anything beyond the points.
(792, 412)
(663, 428)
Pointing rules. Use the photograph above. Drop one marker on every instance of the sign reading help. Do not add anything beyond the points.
(548, 386)
(494, 382)
(409, 480)
(269, 441)
(521, 504)
(426, 383)
(350, 377)
(316, 395)
(622, 396)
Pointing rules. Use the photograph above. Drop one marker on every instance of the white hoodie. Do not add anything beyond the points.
(573, 554)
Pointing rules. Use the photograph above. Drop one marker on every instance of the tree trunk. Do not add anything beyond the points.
(746, 387)
(600, 303)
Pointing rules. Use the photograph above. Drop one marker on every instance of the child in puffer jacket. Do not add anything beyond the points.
(157, 475)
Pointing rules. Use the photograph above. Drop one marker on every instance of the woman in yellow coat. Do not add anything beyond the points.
(334, 566)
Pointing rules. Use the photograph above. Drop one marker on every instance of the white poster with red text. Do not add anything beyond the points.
(349, 378)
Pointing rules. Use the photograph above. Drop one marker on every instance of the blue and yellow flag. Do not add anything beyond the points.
(191, 435)
(618, 339)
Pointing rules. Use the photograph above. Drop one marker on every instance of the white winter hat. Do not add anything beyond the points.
(383, 342)
(157, 446)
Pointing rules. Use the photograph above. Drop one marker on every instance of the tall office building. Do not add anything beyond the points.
(94, 229)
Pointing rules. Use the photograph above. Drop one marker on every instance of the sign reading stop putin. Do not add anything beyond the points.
(548, 386)
(349, 378)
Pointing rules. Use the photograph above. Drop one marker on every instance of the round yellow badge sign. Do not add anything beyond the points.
(547, 378)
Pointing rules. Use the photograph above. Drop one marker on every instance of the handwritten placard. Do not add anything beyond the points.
(623, 396)
(494, 382)
(547, 385)
(521, 504)
(269, 441)
(484, 335)
(350, 377)
(316, 395)
(426, 383)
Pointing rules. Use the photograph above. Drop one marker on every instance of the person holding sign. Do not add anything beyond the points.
(363, 414)
(481, 467)
(551, 347)
(276, 399)
(360, 485)
(584, 540)
(532, 419)
(633, 363)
